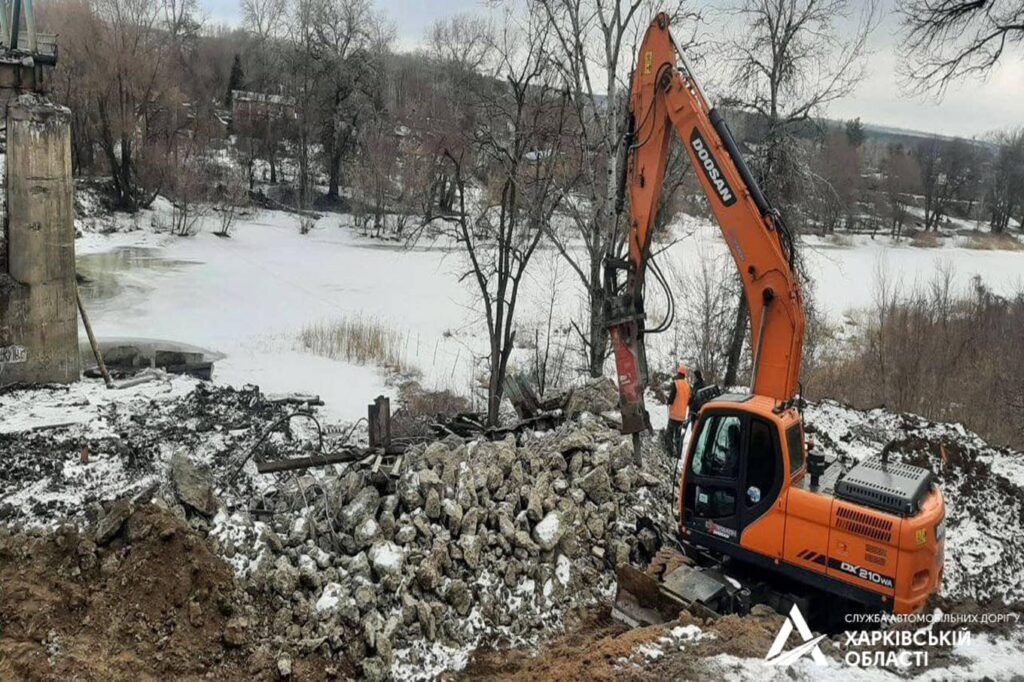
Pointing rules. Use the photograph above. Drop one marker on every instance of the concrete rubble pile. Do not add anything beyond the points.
(476, 540)
(474, 543)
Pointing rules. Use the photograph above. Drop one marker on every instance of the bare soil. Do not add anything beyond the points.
(153, 604)
(595, 647)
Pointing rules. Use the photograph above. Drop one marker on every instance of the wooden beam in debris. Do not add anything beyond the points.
(300, 399)
(278, 465)
(522, 396)
(379, 422)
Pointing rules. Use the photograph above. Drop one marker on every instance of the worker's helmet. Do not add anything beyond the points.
(682, 369)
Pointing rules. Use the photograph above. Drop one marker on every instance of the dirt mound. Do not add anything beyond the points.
(153, 603)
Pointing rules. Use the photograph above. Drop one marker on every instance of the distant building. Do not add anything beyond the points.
(251, 108)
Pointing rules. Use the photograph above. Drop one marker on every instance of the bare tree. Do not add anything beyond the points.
(509, 181)
(550, 338)
(945, 170)
(262, 19)
(374, 178)
(595, 42)
(76, 24)
(231, 197)
(944, 40)
(706, 307)
(835, 168)
(124, 53)
(349, 42)
(901, 180)
(464, 53)
(463, 41)
(305, 81)
(793, 58)
(1006, 190)
(265, 23)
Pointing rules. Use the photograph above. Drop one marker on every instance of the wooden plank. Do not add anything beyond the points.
(373, 424)
(306, 462)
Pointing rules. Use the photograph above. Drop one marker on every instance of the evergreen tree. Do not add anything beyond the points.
(236, 81)
(855, 132)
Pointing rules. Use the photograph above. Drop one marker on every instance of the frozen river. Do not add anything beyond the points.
(249, 296)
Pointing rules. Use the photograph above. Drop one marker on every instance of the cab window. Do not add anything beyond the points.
(715, 502)
(795, 445)
(762, 462)
(718, 448)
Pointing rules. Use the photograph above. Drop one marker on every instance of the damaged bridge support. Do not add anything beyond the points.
(38, 313)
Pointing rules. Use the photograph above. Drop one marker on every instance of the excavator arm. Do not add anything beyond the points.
(665, 97)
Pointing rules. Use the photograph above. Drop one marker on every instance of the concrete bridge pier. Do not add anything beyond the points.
(38, 308)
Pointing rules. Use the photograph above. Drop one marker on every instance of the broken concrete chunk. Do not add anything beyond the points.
(597, 485)
(471, 547)
(236, 632)
(428, 481)
(192, 486)
(453, 514)
(285, 577)
(595, 396)
(386, 558)
(460, 597)
(112, 521)
(575, 441)
(366, 531)
(432, 508)
(363, 506)
(625, 478)
(330, 599)
(549, 531)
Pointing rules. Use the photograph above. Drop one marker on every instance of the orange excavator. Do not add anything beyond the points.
(761, 518)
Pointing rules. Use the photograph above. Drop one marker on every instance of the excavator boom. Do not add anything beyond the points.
(665, 97)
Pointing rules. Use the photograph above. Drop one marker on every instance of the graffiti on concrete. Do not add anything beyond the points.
(10, 355)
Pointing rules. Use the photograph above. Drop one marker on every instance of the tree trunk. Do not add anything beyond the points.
(739, 334)
(334, 176)
(127, 200)
(498, 369)
(598, 334)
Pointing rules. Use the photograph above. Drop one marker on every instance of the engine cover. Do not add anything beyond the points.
(890, 487)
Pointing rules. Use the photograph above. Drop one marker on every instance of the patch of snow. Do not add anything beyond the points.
(563, 569)
(387, 557)
(329, 598)
(549, 529)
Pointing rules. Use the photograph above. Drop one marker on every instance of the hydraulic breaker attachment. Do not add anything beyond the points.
(625, 321)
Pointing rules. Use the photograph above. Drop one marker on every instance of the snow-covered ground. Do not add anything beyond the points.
(249, 296)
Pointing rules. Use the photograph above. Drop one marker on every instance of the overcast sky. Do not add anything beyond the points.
(969, 108)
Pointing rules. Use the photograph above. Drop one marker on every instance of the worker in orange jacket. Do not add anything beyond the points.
(678, 414)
